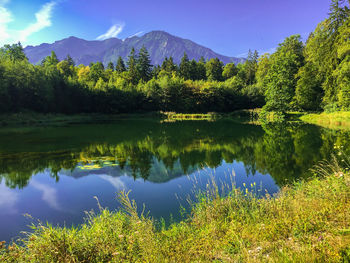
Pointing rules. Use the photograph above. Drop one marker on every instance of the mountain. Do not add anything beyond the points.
(158, 43)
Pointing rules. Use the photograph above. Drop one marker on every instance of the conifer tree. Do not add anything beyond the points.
(110, 66)
(185, 67)
(144, 64)
(120, 67)
(132, 67)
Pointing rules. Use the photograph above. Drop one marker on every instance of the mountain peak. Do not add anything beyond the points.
(160, 44)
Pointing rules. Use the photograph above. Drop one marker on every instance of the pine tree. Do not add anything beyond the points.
(251, 66)
(110, 66)
(201, 70)
(120, 67)
(70, 60)
(185, 67)
(51, 60)
(132, 67)
(144, 64)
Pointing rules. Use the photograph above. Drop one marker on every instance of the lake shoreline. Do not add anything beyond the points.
(306, 222)
(334, 120)
(49, 119)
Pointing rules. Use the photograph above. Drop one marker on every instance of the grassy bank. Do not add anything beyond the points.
(243, 116)
(335, 120)
(306, 222)
(39, 119)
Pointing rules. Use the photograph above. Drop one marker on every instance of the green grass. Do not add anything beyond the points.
(335, 120)
(306, 222)
(242, 116)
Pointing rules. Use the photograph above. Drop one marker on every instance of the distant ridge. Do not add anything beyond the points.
(159, 44)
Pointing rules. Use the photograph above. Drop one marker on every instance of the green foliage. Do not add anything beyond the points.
(120, 67)
(51, 60)
(230, 70)
(214, 69)
(185, 67)
(13, 52)
(309, 90)
(144, 66)
(132, 67)
(281, 76)
(251, 67)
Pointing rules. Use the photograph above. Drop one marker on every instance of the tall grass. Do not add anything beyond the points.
(306, 222)
(340, 119)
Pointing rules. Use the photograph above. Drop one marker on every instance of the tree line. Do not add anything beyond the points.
(309, 76)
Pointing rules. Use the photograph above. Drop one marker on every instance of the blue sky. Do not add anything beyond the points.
(229, 27)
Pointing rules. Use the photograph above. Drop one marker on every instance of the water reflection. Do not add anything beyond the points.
(160, 152)
(53, 173)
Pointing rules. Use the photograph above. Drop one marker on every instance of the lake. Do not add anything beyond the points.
(53, 173)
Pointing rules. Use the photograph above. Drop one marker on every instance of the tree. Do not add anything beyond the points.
(64, 68)
(251, 66)
(120, 67)
(185, 67)
(281, 77)
(264, 64)
(144, 65)
(132, 67)
(14, 52)
(51, 60)
(342, 72)
(309, 90)
(214, 68)
(201, 70)
(70, 60)
(96, 71)
(168, 65)
(193, 72)
(110, 66)
(230, 70)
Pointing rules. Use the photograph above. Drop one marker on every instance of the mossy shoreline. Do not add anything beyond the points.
(306, 222)
(334, 120)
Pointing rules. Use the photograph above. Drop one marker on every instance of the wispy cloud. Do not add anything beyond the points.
(8, 200)
(113, 31)
(5, 18)
(49, 194)
(115, 181)
(43, 20)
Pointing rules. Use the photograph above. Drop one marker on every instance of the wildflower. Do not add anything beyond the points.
(339, 174)
(120, 236)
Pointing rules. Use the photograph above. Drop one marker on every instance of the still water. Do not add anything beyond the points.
(53, 173)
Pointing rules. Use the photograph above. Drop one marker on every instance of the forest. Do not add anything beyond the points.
(298, 76)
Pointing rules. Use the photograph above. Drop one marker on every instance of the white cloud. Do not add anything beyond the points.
(8, 200)
(5, 18)
(115, 181)
(43, 20)
(114, 31)
(49, 194)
